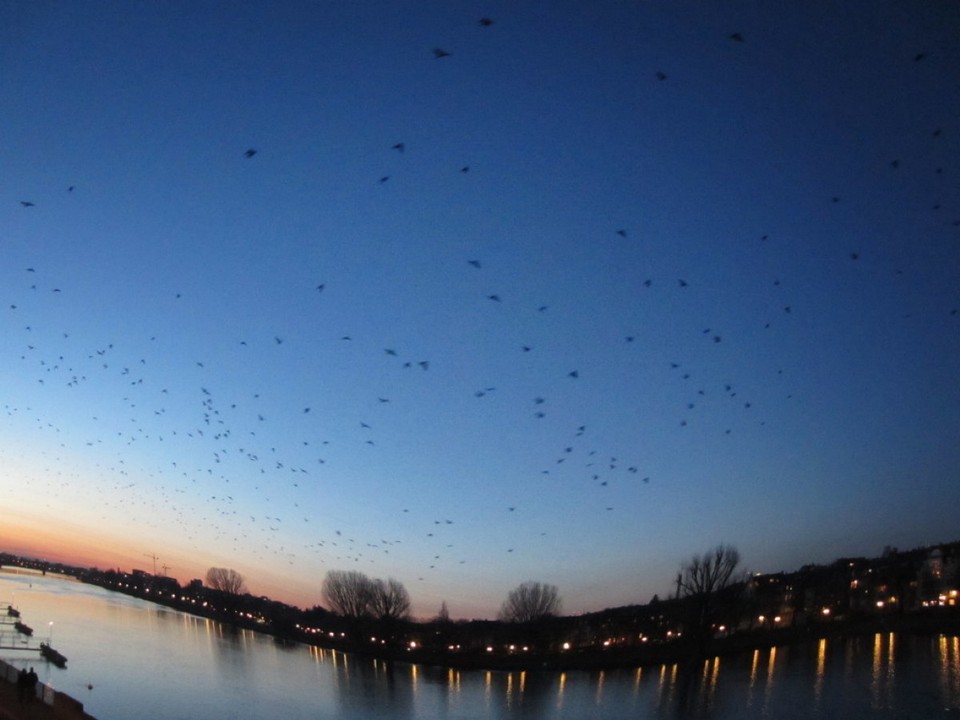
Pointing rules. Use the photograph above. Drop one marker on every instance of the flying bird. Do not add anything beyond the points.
(475, 263)
(440, 53)
(399, 146)
(249, 153)
(736, 37)
(486, 22)
(661, 75)
(27, 203)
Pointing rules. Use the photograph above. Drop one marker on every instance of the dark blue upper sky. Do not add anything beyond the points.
(601, 286)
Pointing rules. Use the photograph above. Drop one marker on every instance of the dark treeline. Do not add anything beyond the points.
(916, 590)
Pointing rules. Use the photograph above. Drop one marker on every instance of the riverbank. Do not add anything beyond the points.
(940, 621)
(49, 704)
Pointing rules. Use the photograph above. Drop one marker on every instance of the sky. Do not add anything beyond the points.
(470, 294)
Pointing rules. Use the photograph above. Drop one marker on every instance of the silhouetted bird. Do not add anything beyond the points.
(622, 233)
(475, 263)
(495, 298)
(486, 22)
(399, 146)
(736, 37)
(574, 374)
(384, 179)
(440, 53)
(250, 153)
(661, 75)
(320, 287)
(682, 283)
(27, 203)
(919, 56)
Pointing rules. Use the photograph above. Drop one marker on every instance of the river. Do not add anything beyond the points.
(129, 658)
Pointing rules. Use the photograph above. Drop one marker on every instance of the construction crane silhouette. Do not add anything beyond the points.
(154, 558)
(165, 568)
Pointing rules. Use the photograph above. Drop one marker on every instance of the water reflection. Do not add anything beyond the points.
(178, 665)
(883, 671)
(949, 671)
(820, 672)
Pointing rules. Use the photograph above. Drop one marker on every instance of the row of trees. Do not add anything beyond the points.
(705, 581)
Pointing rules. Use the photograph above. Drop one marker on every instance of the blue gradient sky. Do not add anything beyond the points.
(766, 355)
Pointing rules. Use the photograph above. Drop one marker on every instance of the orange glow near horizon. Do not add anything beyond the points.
(74, 544)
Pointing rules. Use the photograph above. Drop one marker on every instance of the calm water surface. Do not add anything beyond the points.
(149, 662)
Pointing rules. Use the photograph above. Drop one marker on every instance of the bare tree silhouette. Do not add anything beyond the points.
(226, 580)
(703, 580)
(348, 592)
(389, 600)
(531, 601)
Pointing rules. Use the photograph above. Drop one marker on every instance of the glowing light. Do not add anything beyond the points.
(566, 646)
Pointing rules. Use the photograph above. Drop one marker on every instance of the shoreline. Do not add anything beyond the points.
(596, 659)
(49, 704)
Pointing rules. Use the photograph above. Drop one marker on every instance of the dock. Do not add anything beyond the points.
(47, 703)
(18, 638)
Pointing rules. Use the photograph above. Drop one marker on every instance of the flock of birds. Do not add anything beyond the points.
(196, 475)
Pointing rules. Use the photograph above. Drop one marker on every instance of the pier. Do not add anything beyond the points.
(46, 703)
(15, 635)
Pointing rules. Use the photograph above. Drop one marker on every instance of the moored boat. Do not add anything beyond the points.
(52, 655)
